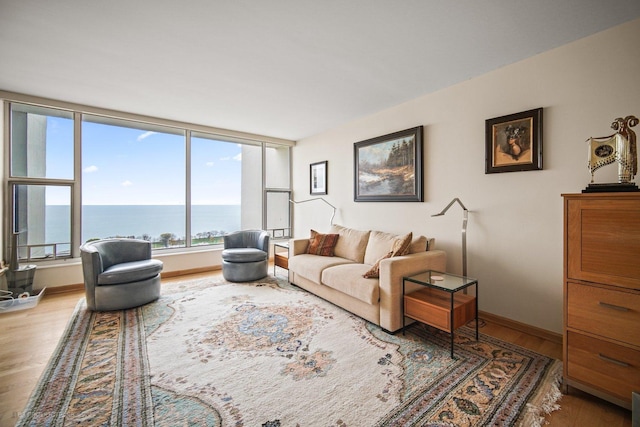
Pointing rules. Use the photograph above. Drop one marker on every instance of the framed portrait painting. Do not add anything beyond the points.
(389, 168)
(318, 178)
(513, 143)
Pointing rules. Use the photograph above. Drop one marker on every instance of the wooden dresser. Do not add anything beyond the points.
(601, 348)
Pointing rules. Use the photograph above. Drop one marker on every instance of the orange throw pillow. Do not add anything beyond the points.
(322, 244)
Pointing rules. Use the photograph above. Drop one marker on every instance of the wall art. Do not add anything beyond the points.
(389, 168)
(514, 142)
(318, 178)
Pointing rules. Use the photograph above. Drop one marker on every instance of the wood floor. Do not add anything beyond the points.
(29, 337)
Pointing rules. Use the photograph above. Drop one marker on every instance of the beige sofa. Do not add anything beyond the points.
(339, 278)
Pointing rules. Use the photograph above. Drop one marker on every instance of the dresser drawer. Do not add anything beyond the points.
(609, 367)
(606, 312)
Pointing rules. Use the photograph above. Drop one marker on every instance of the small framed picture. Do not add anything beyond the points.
(318, 178)
(514, 142)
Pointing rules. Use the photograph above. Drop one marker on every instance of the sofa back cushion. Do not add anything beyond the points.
(351, 243)
(421, 244)
(378, 246)
(381, 243)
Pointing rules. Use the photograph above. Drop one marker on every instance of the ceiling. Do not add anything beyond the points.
(282, 68)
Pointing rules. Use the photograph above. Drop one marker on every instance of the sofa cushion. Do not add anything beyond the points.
(322, 244)
(128, 272)
(347, 278)
(240, 255)
(420, 244)
(379, 245)
(311, 266)
(351, 243)
(400, 247)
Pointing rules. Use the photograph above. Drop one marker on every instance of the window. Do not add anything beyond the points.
(133, 181)
(41, 142)
(278, 193)
(226, 188)
(42, 219)
(76, 176)
(41, 163)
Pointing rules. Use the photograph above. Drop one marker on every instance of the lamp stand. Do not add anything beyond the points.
(465, 219)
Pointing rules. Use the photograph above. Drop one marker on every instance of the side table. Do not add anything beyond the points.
(281, 258)
(438, 303)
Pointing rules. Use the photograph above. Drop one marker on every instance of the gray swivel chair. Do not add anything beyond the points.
(245, 256)
(119, 274)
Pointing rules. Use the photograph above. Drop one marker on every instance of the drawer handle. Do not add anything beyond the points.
(615, 361)
(613, 307)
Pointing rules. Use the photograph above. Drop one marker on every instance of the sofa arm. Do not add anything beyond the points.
(392, 270)
(298, 246)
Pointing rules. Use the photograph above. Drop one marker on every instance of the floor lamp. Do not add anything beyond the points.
(317, 198)
(464, 231)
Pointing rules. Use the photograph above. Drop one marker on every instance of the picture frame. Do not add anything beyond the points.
(513, 143)
(389, 168)
(318, 178)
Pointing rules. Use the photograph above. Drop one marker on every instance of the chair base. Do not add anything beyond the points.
(244, 271)
(123, 296)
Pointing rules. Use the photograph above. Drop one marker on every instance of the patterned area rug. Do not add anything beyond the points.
(268, 354)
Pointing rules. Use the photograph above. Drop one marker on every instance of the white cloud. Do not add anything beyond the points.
(89, 169)
(145, 135)
(209, 164)
(127, 183)
(238, 157)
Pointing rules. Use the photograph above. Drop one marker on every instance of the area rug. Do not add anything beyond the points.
(266, 353)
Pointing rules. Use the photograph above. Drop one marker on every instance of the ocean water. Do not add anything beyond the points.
(142, 220)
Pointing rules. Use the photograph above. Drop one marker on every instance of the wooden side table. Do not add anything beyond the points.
(280, 259)
(439, 303)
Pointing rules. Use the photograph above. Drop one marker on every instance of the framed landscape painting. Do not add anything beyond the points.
(389, 168)
(513, 143)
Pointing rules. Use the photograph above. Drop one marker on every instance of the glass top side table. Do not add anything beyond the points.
(439, 302)
(280, 257)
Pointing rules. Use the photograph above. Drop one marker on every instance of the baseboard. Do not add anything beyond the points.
(66, 288)
(80, 286)
(522, 327)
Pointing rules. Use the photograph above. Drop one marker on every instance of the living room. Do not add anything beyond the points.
(515, 229)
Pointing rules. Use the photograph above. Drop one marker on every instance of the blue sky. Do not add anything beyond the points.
(128, 166)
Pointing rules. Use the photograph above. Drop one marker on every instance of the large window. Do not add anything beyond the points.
(133, 181)
(75, 177)
(224, 178)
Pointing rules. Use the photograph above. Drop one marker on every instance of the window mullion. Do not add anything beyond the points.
(76, 189)
(187, 204)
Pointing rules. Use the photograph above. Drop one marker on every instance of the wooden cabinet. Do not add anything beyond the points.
(601, 348)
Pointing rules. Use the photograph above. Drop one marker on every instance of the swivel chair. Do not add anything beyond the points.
(245, 256)
(119, 274)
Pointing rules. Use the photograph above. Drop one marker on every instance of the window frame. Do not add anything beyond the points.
(76, 183)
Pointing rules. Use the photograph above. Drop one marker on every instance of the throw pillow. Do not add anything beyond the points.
(322, 244)
(374, 271)
(400, 247)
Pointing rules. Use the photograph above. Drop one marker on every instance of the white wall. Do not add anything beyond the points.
(515, 234)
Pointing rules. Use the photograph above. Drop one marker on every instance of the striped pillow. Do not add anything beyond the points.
(322, 244)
